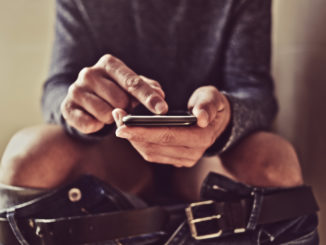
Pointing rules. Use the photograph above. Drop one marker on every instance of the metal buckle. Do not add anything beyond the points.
(192, 221)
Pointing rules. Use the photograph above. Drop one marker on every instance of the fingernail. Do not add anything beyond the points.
(160, 107)
(117, 118)
(221, 108)
(119, 133)
(205, 115)
(204, 119)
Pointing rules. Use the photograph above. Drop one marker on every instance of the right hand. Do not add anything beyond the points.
(107, 85)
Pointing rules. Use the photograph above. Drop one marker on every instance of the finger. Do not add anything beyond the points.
(118, 114)
(133, 84)
(173, 136)
(202, 117)
(155, 85)
(191, 154)
(205, 103)
(80, 120)
(112, 93)
(93, 80)
(163, 159)
(92, 104)
(178, 162)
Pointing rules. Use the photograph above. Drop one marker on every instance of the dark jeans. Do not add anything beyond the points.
(99, 197)
(301, 230)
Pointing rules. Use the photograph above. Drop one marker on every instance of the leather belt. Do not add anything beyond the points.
(88, 228)
(208, 219)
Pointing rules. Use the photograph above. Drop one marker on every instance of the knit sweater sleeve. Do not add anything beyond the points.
(74, 48)
(247, 82)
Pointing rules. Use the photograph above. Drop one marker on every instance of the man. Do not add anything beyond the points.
(210, 57)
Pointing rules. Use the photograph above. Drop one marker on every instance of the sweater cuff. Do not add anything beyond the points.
(226, 139)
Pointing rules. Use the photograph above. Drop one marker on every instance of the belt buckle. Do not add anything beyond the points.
(194, 221)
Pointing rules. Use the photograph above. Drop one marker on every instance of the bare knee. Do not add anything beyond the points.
(45, 157)
(34, 157)
(264, 159)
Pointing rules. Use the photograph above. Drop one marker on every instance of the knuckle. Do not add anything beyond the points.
(66, 107)
(167, 136)
(74, 91)
(133, 82)
(107, 58)
(110, 62)
(148, 156)
(86, 74)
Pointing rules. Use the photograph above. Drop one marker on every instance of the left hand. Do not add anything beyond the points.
(181, 146)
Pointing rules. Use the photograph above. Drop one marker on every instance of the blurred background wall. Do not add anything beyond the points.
(26, 28)
(299, 67)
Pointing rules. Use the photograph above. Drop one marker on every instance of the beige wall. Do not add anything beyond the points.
(300, 71)
(25, 40)
(299, 68)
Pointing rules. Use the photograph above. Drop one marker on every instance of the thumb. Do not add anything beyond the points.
(118, 114)
(202, 116)
(205, 103)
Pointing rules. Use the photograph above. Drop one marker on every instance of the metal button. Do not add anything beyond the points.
(74, 195)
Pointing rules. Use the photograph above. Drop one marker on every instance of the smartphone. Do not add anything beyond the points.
(172, 119)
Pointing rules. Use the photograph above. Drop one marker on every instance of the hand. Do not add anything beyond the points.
(107, 85)
(181, 146)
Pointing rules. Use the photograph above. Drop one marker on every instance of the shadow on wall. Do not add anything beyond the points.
(300, 74)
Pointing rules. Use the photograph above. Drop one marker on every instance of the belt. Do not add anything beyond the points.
(207, 219)
(210, 219)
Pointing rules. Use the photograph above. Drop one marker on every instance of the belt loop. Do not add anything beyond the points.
(256, 208)
(15, 228)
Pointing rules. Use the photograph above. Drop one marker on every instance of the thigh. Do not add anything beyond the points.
(45, 157)
(260, 159)
(264, 159)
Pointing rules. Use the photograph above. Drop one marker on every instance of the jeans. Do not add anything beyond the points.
(98, 197)
(301, 230)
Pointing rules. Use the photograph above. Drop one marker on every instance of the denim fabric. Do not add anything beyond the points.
(98, 197)
(301, 230)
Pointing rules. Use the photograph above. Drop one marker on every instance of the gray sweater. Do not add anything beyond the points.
(183, 44)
